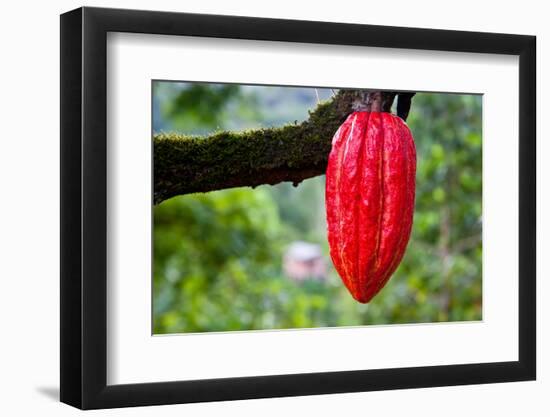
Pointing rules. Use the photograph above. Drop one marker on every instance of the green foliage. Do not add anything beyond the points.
(206, 246)
(218, 255)
(197, 107)
(446, 241)
(200, 108)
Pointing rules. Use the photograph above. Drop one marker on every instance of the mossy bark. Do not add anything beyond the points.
(190, 164)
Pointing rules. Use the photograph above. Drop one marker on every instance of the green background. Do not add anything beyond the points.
(218, 255)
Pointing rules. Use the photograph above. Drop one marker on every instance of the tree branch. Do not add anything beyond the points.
(189, 164)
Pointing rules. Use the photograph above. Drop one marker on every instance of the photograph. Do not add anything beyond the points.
(295, 207)
(267, 206)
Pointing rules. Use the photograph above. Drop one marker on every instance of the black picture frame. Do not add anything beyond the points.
(84, 207)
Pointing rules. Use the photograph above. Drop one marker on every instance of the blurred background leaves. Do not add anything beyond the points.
(231, 259)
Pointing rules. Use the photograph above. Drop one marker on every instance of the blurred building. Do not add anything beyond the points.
(303, 260)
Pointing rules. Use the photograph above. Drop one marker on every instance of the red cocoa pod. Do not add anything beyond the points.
(370, 191)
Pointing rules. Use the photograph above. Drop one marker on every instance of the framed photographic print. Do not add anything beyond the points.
(257, 208)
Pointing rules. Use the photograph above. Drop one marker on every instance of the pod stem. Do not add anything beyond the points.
(373, 101)
(382, 101)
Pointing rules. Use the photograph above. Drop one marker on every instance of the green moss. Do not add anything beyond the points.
(186, 164)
